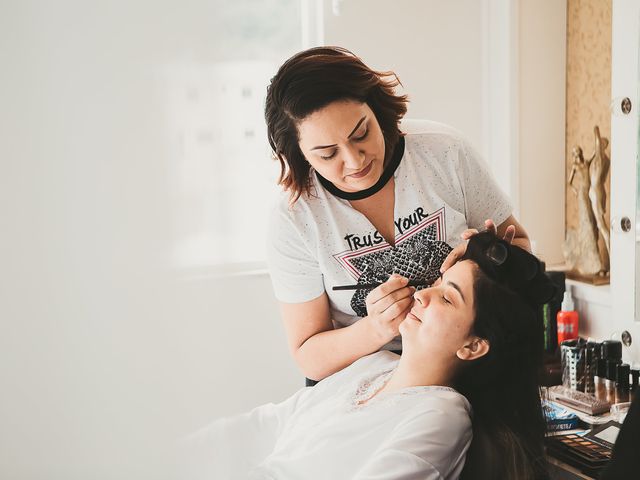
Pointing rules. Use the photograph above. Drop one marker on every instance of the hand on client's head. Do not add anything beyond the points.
(460, 250)
(509, 234)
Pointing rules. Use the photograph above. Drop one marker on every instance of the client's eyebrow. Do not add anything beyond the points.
(449, 282)
(350, 135)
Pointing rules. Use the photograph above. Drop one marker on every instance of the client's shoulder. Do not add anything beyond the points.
(445, 399)
(444, 406)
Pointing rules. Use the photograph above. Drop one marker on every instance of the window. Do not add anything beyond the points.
(223, 175)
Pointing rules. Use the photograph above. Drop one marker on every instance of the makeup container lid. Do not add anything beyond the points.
(612, 349)
(601, 367)
(622, 375)
(611, 369)
(595, 348)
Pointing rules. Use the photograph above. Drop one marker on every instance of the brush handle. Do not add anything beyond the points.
(412, 283)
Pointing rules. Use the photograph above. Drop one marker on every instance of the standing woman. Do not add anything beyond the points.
(363, 202)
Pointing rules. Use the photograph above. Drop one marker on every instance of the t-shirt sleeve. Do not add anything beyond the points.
(483, 198)
(295, 274)
(430, 446)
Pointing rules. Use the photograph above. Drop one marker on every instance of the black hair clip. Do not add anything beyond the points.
(497, 253)
(510, 265)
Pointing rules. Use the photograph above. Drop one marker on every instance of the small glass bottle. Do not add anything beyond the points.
(622, 383)
(599, 379)
(567, 319)
(610, 382)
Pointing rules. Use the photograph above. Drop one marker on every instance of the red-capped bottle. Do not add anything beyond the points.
(567, 320)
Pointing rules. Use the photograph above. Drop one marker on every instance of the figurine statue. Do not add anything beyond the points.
(598, 170)
(587, 180)
(581, 245)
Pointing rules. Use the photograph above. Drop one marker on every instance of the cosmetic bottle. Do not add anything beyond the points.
(549, 345)
(590, 367)
(599, 379)
(567, 319)
(610, 382)
(622, 383)
(635, 373)
(612, 350)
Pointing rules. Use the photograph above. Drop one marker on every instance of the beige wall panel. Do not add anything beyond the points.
(588, 83)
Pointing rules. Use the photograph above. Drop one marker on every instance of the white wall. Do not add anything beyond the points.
(541, 132)
(434, 47)
(625, 72)
(107, 351)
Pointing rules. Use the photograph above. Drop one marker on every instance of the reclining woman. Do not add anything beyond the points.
(472, 345)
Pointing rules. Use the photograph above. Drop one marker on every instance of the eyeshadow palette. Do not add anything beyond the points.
(605, 434)
(580, 452)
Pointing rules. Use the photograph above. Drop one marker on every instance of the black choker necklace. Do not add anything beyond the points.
(387, 173)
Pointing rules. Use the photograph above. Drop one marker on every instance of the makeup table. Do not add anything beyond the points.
(579, 453)
(579, 445)
(562, 471)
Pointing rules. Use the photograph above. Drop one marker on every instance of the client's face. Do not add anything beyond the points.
(442, 316)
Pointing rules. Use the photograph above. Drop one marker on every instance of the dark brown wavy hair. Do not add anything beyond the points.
(311, 80)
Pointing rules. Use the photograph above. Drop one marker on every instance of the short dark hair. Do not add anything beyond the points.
(311, 80)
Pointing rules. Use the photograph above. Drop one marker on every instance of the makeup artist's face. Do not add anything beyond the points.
(441, 318)
(343, 142)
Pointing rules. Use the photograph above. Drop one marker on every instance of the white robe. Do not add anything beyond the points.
(323, 433)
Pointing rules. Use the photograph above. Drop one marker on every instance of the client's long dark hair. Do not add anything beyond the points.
(503, 386)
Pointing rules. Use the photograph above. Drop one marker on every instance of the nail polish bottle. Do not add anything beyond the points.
(622, 383)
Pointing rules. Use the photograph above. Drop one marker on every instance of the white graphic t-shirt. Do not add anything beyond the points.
(441, 188)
